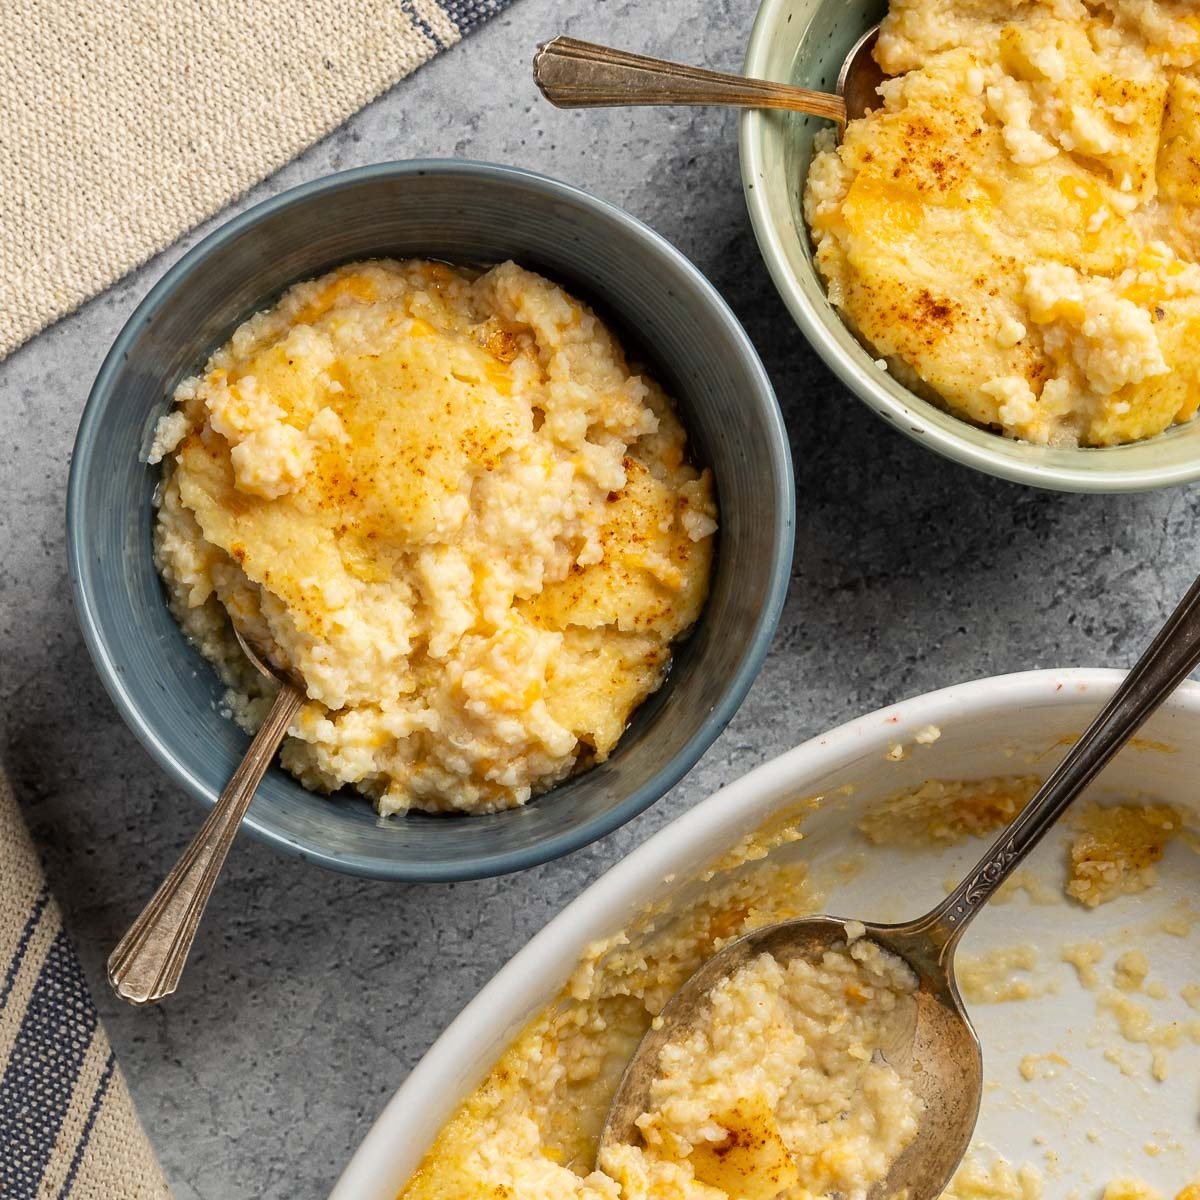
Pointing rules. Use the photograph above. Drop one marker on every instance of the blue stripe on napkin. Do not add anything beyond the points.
(409, 9)
(18, 958)
(466, 14)
(39, 1080)
(85, 1135)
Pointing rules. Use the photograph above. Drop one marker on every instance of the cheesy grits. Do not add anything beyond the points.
(781, 1086)
(777, 1091)
(1015, 229)
(446, 500)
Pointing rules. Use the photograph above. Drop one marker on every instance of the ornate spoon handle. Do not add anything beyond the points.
(1166, 663)
(575, 74)
(149, 959)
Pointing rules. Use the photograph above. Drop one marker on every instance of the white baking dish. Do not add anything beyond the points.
(1014, 724)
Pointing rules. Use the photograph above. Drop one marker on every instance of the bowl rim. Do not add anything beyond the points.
(485, 865)
(715, 823)
(913, 415)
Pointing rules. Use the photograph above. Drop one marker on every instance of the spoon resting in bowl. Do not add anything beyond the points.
(575, 74)
(937, 1050)
(148, 961)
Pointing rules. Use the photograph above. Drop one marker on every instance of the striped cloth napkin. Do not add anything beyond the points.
(68, 1128)
(123, 123)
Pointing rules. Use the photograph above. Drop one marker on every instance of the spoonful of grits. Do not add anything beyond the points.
(575, 74)
(933, 1047)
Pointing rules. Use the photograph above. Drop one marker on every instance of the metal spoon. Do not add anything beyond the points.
(148, 961)
(939, 1051)
(575, 74)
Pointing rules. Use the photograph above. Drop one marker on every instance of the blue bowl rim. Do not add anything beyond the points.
(477, 866)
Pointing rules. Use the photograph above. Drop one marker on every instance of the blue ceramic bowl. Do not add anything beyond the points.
(459, 211)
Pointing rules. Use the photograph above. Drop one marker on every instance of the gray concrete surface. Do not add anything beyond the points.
(310, 995)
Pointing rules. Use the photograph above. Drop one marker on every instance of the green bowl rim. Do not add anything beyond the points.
(912, 416)
(479, 866)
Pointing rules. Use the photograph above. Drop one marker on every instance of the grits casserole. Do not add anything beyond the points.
(1015, 230)
(817, 1114)
(778, 1090)
(781, 1085)
(446, 500)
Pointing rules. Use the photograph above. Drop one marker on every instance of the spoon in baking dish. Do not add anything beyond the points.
(148, 961)
(575, 74)
(937, 1051)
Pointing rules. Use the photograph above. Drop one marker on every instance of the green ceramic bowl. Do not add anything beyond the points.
(804, 42)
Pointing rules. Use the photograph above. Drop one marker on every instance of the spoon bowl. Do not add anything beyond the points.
(261, 662)
(859, 79)
(932, 1044)
(257, 661)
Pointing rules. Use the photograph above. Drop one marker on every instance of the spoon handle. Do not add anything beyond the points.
(1166, 663)
(575, 74)
(148, 961)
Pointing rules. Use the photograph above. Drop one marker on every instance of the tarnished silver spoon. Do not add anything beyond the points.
(148, 961)
(575, 74)
(938, 1052)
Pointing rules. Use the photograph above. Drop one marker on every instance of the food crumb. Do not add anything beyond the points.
(1001, 975)
(1130, 1189)
(946, 812)
(1117, 849)
(997, 1180)
(1024, 880)
(1084, 957)
(1130, 970)
(1031, 1062)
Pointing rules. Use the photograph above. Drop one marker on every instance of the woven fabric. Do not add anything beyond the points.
(123, 123)
(68, 1129)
